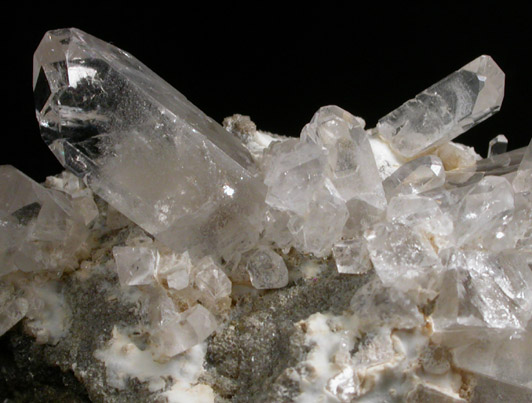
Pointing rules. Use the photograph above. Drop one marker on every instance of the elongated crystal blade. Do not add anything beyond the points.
(142, 146)
(446, 109)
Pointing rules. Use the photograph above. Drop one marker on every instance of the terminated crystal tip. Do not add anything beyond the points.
(445, 110)
(142, 146)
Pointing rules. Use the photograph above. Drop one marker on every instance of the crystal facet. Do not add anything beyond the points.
(497, 145)
(267, 269)
(141, 146)
(446, 109)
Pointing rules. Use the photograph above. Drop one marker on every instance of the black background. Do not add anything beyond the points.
(280, 63)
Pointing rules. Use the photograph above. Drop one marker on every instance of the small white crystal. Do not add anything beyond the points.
(267, 269)
(135, 265)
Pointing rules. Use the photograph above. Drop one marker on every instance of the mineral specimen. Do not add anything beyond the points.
(180, 261)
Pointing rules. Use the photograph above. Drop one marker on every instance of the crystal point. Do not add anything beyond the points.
(446, 109)
(142, 146)
(497, 145)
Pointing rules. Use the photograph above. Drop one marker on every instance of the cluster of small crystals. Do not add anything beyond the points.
(442, 228)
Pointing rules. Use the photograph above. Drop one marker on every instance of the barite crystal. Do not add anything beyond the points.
(417, 176)
(141, 146)
(446, 109)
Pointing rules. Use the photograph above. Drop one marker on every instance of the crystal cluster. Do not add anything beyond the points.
(444, 236)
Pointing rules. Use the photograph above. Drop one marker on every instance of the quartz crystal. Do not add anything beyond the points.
(523, 178)
(446, 109)
(484, 290)
(142, 147)
(497, 145)
(395, 263)
(417, 176)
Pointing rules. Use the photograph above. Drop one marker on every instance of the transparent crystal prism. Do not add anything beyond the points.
(417, 176)
(497, 145)
(523, 178)
(446, 109)
(141, 146)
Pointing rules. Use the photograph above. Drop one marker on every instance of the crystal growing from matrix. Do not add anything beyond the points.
(446, 109)
(176, 260)
(142, 147)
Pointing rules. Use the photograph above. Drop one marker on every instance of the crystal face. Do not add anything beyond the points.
(251, 266)
(142, 146)
(446, 109)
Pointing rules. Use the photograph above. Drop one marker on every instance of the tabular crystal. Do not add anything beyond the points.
(142, 146)
(446, 109)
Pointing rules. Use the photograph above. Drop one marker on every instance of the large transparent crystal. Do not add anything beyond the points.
(446, 109)
(142, 146)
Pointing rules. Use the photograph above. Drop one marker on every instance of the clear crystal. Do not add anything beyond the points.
(376, 305)
(266, 269)
(483, 208)
(351, 164)
(506, 359)
(177, 332)
(484, 290)
(446, 109)
(397, 251)
(523, 178)
(12, 307)
(211, 280)
(141, 146)
(136, 265)
(41, 228)
(175, 269)
(351, 256)
(497, 145)
(417, 176)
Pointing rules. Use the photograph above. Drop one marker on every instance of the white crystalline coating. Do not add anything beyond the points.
(352, 167)
(446, 109)
(266, 269)
(136, 265)
(397, 251)
(497, 145)
(351, 256)
(484, 290)
(523, 178)
(420, 175)
(142, 147)
(211, 279)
